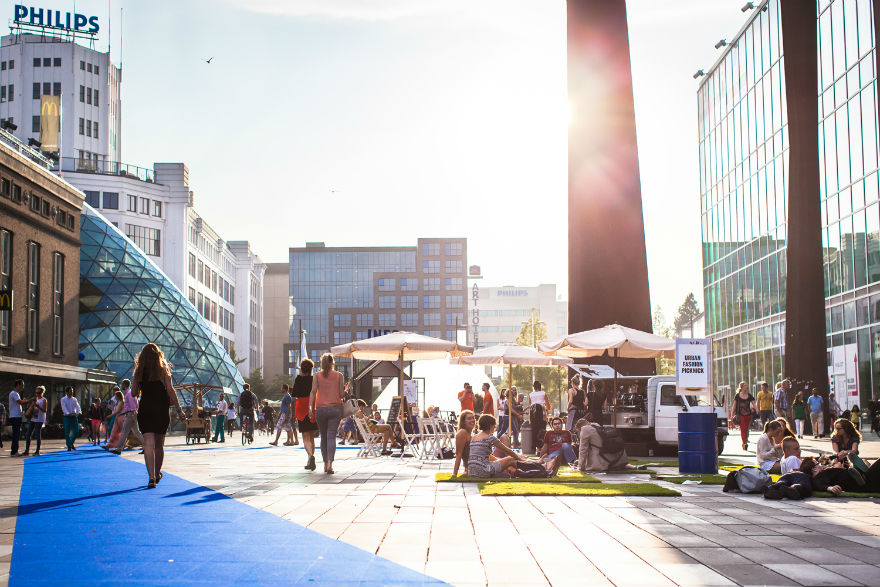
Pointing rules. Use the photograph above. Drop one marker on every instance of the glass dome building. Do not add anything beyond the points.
(126, 301)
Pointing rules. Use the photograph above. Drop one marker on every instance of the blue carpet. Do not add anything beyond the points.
(86, 519)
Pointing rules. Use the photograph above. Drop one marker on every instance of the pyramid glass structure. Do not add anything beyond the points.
(126, 301)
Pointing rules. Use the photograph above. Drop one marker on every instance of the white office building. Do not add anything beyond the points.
(497, 313)
(223, 279)
(33, 65)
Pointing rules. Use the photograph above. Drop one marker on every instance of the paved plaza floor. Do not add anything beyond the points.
(227, 514)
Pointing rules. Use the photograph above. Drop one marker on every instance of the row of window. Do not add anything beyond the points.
(434, 267)
(145, 237)
(388, 302)
(4, 65)
(500, 328)
(96, 69)
(88, 128)
(433, 249)
(86, 95)
(406, 319)
(38, 205)
(46, 89)
(32, 294)
(7, 94)
(208, 277)
(110, 201)
(428, 284)
(345, 337)
(47, 62)
(211, 312)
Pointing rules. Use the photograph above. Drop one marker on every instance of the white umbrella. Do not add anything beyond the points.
(614, 339)
(507, 355)
(400, 346)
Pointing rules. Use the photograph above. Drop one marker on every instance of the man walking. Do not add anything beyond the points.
(129, 417)
(285, 421)
(2, 421)
(220, 422)
(15, 402)
(765, 403)
(816, 417)
(780, 402)
(71, 410)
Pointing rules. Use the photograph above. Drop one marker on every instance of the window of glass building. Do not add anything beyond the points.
(434, 333)
(387, 302)
(364, 320)
(341, 320)
(409, 319)
(5, 281)
(409, 301)
(111, 200)
(450, 335)
(341, 337)
(431, 301)
(430, 249)
(454, 283)
(144, 237)
(387, 320)
(58, 304)
(454, 301)
(432, 319)
(409, 284)
(431, 283)
(33, 296)
(453, 266)
(453, 249)
(386, 284)
(430, 266)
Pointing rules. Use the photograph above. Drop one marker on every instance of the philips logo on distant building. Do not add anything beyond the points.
(512, 293)
(55, 19)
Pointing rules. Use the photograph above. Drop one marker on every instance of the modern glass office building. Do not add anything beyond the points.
(744, 174)
(126, 301)
(343, 294)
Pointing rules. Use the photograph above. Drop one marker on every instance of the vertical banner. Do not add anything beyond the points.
(50, 123)
(692, 364)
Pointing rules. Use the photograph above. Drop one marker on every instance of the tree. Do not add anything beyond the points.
(257, 383)
(234, 356)
(661, 328)
(554, 380)
(273, 390)
(688, 312)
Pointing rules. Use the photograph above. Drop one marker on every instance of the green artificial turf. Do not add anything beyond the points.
(846, 494)
(599, 489)
(561, 477)
(704, 479)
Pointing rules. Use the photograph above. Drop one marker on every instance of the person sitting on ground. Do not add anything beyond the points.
(591, 457)
(557, 441)
(466, 424)
(791, 455)
(846, 439)
(374, 427)
(481, 445)
(769, 450)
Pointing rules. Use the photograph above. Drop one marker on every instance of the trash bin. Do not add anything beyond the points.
(697, 451)
(527, 439)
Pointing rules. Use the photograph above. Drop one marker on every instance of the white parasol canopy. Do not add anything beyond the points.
(615, 339)
(400, 346)
(510, 354)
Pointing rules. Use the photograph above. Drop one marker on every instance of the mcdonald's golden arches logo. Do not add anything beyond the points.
(50, 123)
(5, 300)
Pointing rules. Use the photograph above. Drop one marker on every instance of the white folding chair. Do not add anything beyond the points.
(430, 433)
(370, 445)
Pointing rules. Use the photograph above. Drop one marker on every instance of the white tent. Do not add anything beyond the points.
(442, 382)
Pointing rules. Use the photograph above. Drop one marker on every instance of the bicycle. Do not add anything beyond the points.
(247, 434)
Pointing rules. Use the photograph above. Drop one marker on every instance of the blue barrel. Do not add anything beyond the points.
(697, 451)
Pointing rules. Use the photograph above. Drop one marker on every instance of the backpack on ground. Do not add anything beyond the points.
(530, 471)
(612, 442)
(747, 480)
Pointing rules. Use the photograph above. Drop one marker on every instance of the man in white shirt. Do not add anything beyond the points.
(791, 455)
(71, 410)
(129, 418)
(220, 423)
(15, 414)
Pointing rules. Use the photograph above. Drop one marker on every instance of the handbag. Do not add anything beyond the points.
(349, 406)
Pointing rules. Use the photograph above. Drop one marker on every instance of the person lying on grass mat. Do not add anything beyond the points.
(835, 478)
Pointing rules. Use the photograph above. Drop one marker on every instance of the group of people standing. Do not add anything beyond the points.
(34, 409)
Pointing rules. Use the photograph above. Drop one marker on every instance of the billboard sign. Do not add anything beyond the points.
(56, 19)
(692, 364)
(50, 123)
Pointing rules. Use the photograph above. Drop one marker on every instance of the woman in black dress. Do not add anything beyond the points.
(302, 388)
(152, 380)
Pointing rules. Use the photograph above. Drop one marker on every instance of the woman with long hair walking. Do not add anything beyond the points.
(325, 407)
(152, 380)
(302, 389)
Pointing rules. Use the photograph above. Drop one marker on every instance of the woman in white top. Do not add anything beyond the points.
(38, 418)
(230, 417)
(538, 418)
(769, 450)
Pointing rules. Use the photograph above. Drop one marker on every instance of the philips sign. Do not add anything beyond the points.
(56, 19)
(512, 292)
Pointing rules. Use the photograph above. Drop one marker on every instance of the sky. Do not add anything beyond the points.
(375, 122)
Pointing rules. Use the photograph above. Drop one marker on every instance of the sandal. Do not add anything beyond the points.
(159, 477)
(151, 484)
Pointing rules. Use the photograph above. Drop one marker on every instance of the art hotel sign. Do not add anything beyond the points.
(56, 19)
